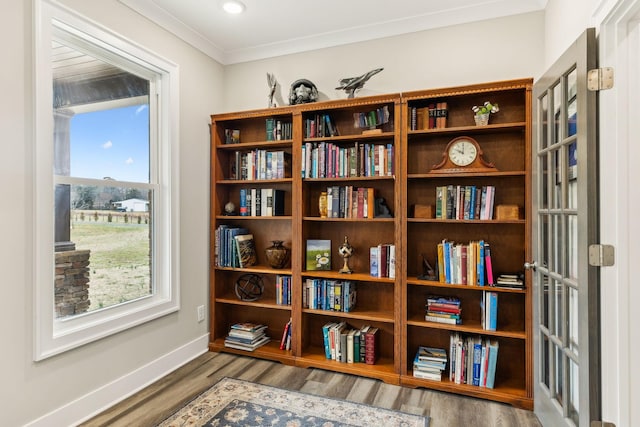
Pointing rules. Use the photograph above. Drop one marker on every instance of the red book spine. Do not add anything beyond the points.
(371, 350)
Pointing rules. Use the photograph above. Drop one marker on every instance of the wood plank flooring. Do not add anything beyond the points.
(156, 402)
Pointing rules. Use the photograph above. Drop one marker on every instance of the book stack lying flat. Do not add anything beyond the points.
(429, 363)
(246, 336)
(443, 309)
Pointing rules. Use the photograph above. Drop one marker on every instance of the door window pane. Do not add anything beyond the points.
(572, 321)
(557, 114)
(572, 103)
(544, 121)
(558, 308)
(572, 246)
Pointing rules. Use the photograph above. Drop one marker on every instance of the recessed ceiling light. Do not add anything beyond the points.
(233, 6)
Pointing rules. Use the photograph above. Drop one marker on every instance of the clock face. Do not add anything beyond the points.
(463, 152)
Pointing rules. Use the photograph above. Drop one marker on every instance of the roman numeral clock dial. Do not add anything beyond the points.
(463, 154)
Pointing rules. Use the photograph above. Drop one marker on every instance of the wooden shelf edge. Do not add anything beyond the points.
(469, 329)
(356, 277)
(352, 137)
(414, 281)
(268, 351)
(369, 316)
(246, 145)
(470, 128)
(270, 305)
(381, 370)
(512, 396)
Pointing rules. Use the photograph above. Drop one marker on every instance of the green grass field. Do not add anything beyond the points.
(119, 263)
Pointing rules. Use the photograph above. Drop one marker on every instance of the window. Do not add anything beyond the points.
(105, 163)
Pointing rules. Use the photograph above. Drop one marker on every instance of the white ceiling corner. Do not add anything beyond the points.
(270, 28)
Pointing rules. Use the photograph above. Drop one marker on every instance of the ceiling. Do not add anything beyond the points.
(271, 28)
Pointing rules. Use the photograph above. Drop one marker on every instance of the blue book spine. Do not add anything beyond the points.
(447, 261)
(493, 361)
(243, 202)
(477, 358)
(493, 311)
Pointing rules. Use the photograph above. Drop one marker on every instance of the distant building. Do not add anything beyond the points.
(132, 205)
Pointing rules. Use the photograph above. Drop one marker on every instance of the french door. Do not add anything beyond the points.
(565, 223)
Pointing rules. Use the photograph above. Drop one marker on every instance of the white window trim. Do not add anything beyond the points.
(53, 336)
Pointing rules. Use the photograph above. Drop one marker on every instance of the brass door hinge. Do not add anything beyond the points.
(600, 79)
(601, 255)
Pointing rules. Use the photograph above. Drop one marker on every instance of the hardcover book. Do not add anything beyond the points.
(318, 254)
(246, 250)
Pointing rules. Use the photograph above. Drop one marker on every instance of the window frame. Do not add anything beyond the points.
(56, 335)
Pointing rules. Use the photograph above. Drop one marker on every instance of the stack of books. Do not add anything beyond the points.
(246, 336)
(512, 281)
(429, 363)
(442, 309)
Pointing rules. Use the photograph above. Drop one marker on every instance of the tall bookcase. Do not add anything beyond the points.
(395, 306)
(506, 143)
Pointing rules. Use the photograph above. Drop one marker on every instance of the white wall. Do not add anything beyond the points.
(31, 390)
(498, 49)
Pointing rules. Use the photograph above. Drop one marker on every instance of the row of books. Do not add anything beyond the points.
(473, 360)
(329, 160)
(382, 260)
(260, 164)
(429, 363)
(283, 289)
(285, 342)
(443, 309)
(350, 202)
(261, 202)
(350, 345)
(232, 136)
(465, 202)
(371, 119)
(246, 336)
(234, 247)
(329, 294)
(278, 130)
(465, 264)
(433, 116)
(320, 126)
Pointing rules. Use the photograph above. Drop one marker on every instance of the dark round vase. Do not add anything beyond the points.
(277, 255)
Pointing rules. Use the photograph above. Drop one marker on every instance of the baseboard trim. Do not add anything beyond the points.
(104, 397)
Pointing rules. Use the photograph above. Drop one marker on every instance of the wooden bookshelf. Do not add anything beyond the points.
(506, 142)
(393, 305)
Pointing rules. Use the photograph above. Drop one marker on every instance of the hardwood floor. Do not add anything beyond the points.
(156, 402)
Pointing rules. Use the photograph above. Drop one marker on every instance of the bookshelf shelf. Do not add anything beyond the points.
(394, 306)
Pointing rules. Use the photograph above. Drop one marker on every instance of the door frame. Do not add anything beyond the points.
(619, 45)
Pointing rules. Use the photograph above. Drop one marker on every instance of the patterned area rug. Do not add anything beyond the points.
(233, 402)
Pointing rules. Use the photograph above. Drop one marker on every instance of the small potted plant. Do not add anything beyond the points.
(482, 112)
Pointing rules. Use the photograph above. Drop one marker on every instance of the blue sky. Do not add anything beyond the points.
(111, 143)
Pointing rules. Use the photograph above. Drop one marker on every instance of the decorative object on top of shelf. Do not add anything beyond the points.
(322, 204)
(277, 254)
(229, 209)
(273, 83)
(428, 273)
(351, 84)
(249, 287)
(483, 112)
(302, 91)
(463, 154)
(346, 251)
(381, 208)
